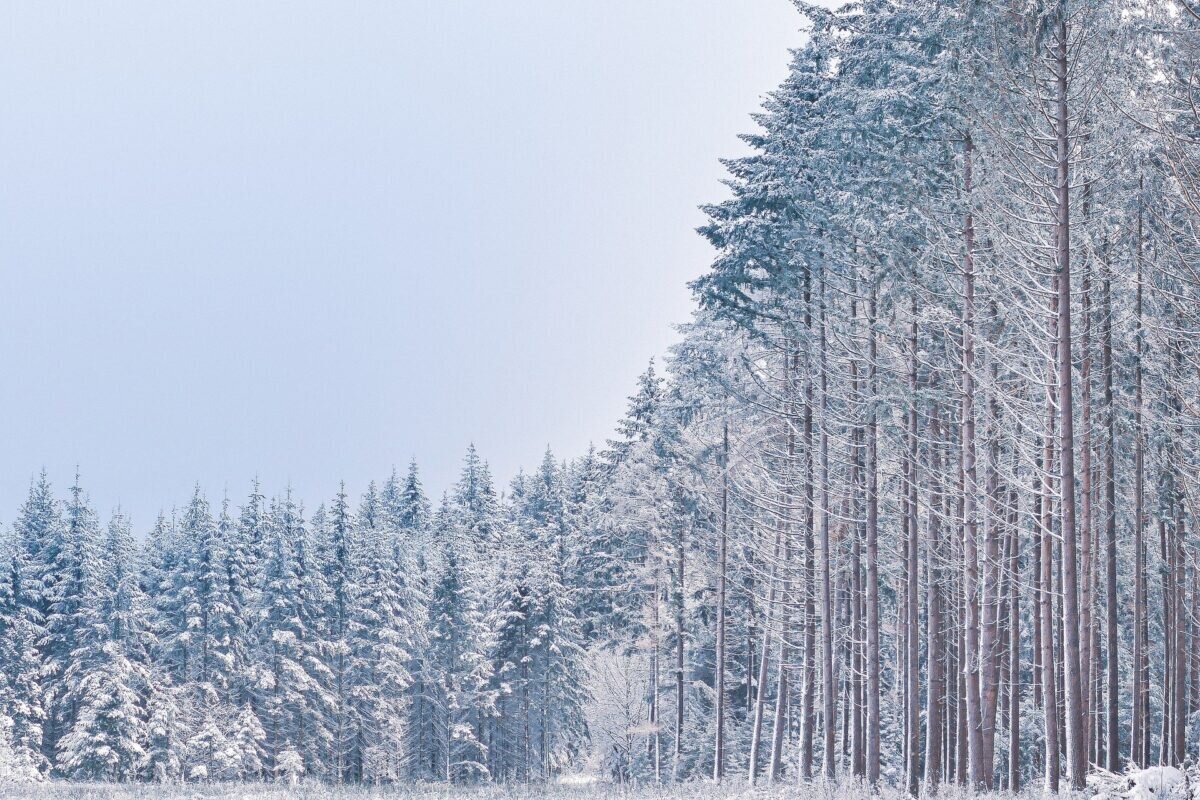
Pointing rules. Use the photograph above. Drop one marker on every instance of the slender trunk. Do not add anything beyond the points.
(1076, 744)
(781, 694)
(1086, 576)
(980, 772)
(722, 569)
(935, 690)
(1168, 626)
(656, 740)
(1112, 747)
(807, 723)
(912, 664)
(680, 645)
(961, 748)
(857, 517)
(872, 547)
(781, 698)
(858, 670)
(1046, 613)
(760, 697)
(1194, 638)
(1045, 592)
(1179, 577)
(991, 591)
(828, 687)
(1014, 650)
(1139, 740)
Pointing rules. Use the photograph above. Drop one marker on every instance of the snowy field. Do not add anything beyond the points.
(1155, 783)
(314, 791)
(577, 791)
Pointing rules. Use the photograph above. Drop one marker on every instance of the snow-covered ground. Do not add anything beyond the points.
(577, 791)
(1156, 783)
(566, 790)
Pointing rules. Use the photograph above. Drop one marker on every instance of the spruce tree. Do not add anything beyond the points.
(108, 674)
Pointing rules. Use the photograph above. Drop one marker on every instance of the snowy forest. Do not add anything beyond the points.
(908, 504)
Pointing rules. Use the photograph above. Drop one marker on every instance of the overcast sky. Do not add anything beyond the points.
(310, 240)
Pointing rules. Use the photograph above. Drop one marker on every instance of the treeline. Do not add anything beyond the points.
(378, 641)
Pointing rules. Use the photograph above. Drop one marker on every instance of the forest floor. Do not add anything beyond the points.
(567, 791)
(315, 791)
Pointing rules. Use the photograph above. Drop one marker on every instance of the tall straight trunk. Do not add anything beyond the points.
(1038, 533)
(912, 663)
(760, 696)
(1179, 634)
(1112, 748)
(1139, 735)
(858, 661)
(751, 616)
(808, 697)
(828, 687)
(849, 693)
(961, 748)
(872, 547)
(935, 688)
(1165, 755)
(1086, 576)
(1014, 649)
(775, 772)
(1179, 577)
(722, 571)
(951, 633)
(680, 646)
(656, 740)
(991, 591)
(980, 772)
(1076, 743)
(1045, 589)
(1046, 613)
(782, 694)
(1058, 652)
(856, 520)
(1194, 639)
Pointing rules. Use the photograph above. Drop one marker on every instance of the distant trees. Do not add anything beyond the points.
(384, 645)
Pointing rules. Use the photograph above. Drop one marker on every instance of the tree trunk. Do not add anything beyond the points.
(1139, 742)
(1046, 613)
(991, 592)
(680, 645)
(935, 690)
(722, 569)
(1178, 630)
(912, 663)
(807, 723)
(1112, 747)
(980, 772)
(872, 547)
(828, 687)
(1086, 576)
(781, 694)
(1076, 744)
(1014, 650)
(760, 696)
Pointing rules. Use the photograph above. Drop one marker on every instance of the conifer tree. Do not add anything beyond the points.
(107, 677)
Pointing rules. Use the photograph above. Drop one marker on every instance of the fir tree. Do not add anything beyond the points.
(108, 674)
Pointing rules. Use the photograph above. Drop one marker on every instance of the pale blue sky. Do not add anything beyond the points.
(308, 240)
